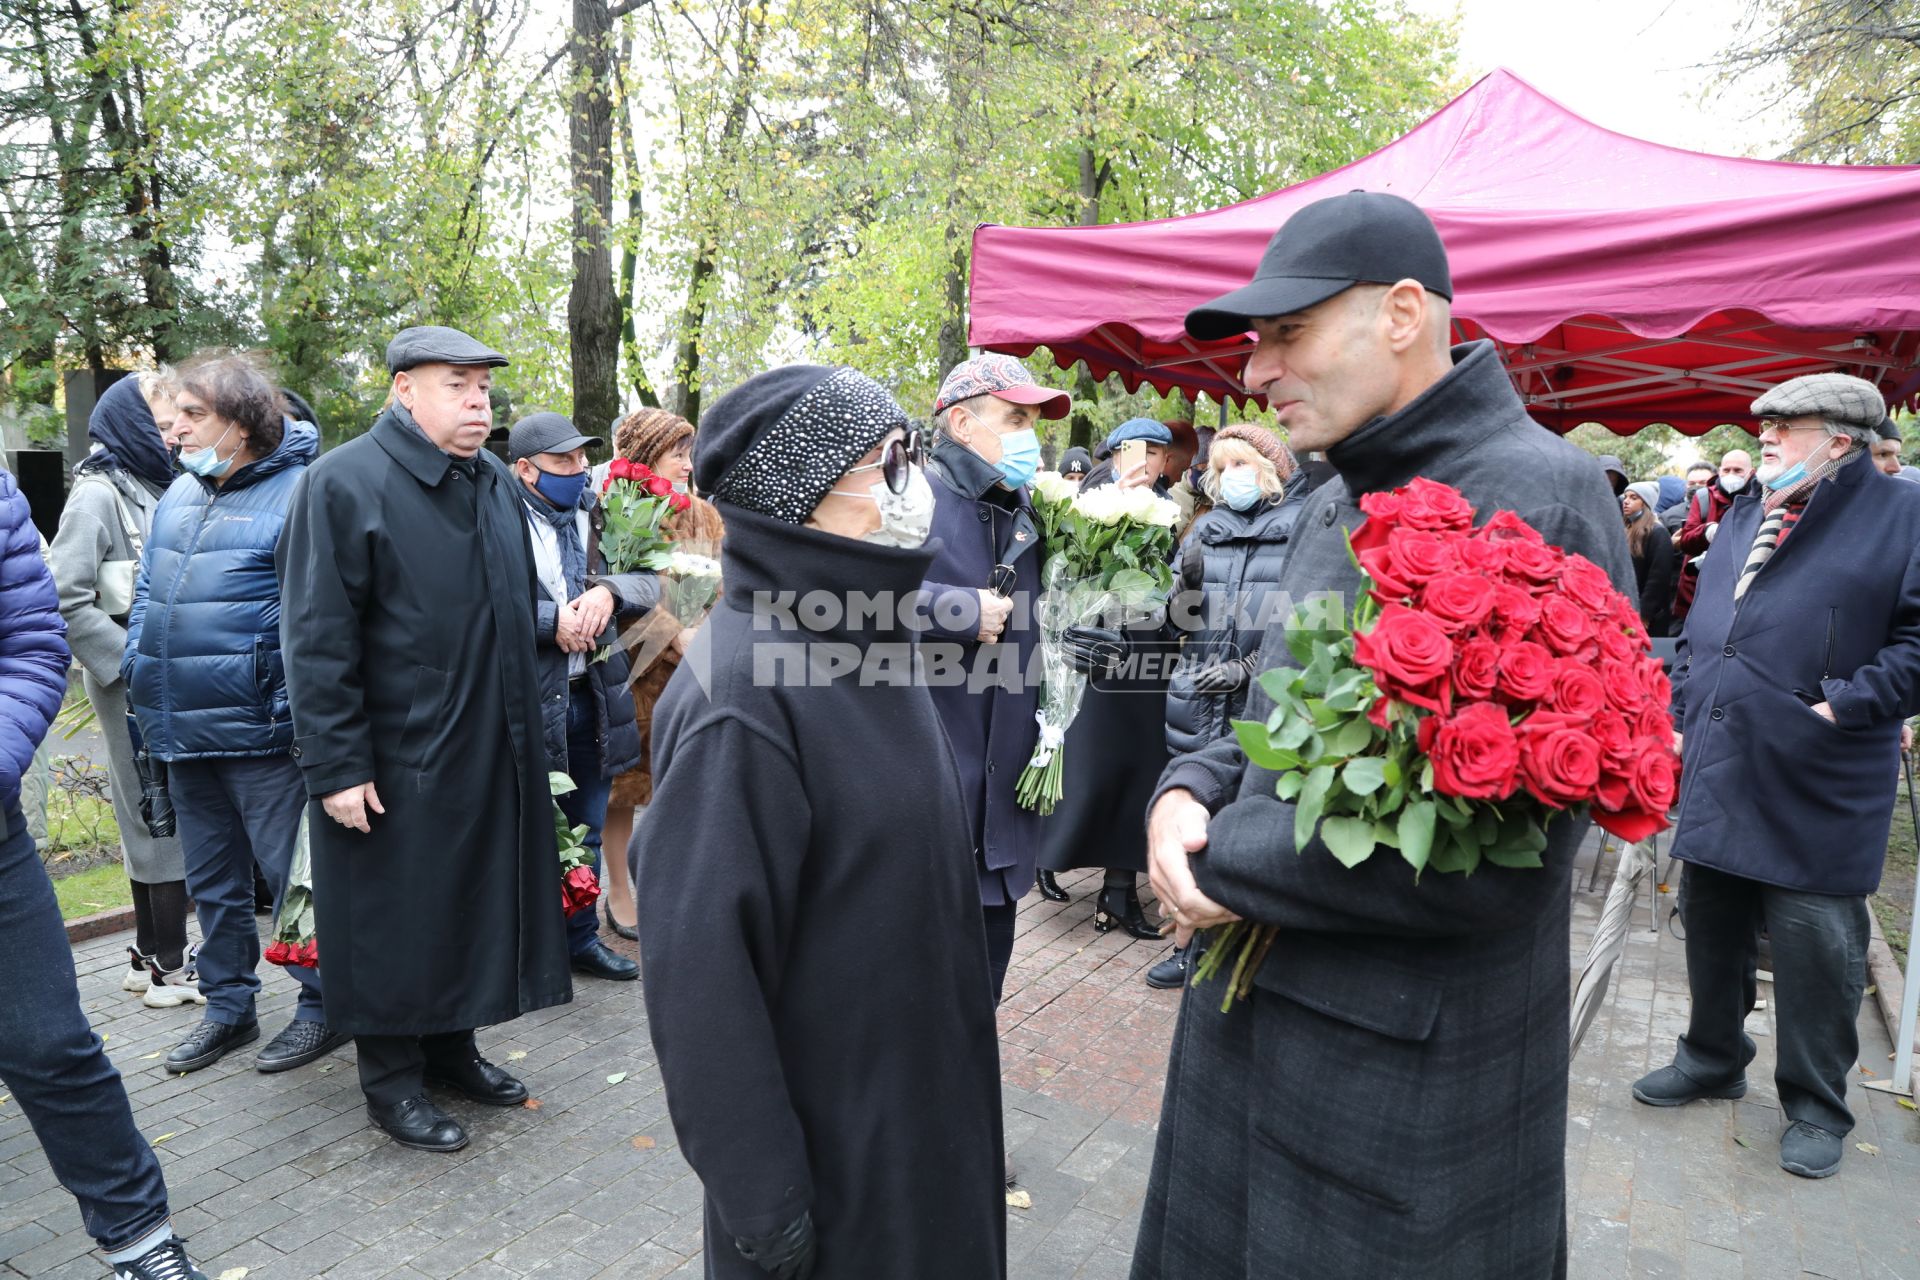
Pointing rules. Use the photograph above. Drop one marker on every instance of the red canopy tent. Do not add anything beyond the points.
(1625, 282)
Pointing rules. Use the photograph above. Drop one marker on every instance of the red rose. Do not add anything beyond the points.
(1428, 504)
(1616, 739)
(1408, 654)
(1410, 559)
(279, 952)
(1526, 671)
(1505, 526)
(1378, 713)
(658, 486)
(1618, 643)
(1654, 721)
(579, 890)
(1515, 611)
(1371, 534)
(1477, 556)
(1564, 626)
(1656, 776)
(1476, 671)
(1587, 585)
(678, 502)
(1611, 793)
(1381, 507)
(1533, 564)
(1458, 601)
(1559, 760)
(1577, 691)
(307, 955)
(1474, 752)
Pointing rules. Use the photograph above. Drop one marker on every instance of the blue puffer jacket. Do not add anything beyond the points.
(33, 646)
(203, 668)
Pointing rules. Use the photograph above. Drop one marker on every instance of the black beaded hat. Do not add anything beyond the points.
(777, 442)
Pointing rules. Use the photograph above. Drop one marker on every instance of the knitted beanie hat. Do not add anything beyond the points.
(1263, 442)
(647, 435)
(777, 442)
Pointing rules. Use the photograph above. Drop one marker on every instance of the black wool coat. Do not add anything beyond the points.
(816, 969)
(981, 691)
(1392, 1098)
(407, 624)
(1770, 790)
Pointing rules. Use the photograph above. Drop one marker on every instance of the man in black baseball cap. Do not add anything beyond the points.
(1351, 311)
(1339, 272)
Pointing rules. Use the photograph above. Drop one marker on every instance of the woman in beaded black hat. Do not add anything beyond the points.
(816, 971)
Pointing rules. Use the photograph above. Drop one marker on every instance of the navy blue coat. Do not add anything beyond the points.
(1770, 790)
(33, 645)
(981, 691)
(203, 668)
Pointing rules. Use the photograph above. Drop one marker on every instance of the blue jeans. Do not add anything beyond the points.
(586, 803)
(232, 812)
(54, 1066)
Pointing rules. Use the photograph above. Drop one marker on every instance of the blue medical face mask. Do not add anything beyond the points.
(1793, 475)
(562, 491)
(208, 463)
(1240, 488)
(1019, 457)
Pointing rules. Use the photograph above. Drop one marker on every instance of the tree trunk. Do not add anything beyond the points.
(593, 312)
(629, 257)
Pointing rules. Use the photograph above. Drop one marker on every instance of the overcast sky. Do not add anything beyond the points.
(1634, 66)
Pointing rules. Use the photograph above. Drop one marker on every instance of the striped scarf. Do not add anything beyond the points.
(1780, 510)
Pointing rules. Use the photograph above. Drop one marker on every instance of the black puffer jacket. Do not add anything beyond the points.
(1228, 569)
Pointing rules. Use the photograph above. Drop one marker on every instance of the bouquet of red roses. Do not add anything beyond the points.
(293, 942)
(636, 501)
(1486, 683)
(579, 882)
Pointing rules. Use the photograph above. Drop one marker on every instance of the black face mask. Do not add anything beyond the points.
(173, 456)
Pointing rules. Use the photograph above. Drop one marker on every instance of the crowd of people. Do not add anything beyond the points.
(381, 653)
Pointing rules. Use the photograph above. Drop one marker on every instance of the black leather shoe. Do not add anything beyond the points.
(1170, 974)
(1121, 908)
(298, 1044)
(598, 962)
(417, 1123)
(209, 1042)
(477, 1079)
(1049, 887)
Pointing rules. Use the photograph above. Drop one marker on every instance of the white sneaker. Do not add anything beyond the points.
(172, 988)
(137, 979)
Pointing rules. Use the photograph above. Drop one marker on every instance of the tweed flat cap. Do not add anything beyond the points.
(436, 344)
(1838, 397)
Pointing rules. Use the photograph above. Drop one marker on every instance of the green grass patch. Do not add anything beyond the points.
(95, 889)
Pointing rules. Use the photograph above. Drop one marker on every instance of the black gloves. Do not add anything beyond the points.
(1223, 677)
(787, 1254)
(1094, 651)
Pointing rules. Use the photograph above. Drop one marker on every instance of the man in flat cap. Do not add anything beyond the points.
(1799, 663)
(586, 703)
(408, 627)
(1392, 1098)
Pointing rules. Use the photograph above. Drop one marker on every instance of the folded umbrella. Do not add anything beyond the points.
(1609, 938)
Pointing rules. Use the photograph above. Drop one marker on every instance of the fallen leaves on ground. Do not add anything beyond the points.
(616, 1077)
(641, 1142)
(1866, 1148)
(1022, 1199)
(234, 1273)
(1907, 1103)
(516, 1055)
(531, 1104)
(162, 1138)
(1743, 1142)
(149, 1057)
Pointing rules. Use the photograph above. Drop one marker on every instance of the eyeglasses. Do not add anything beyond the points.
(1780, 428)
(896, 463)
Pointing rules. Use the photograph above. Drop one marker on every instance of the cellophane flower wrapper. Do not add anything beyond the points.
(292, 942)
(1107, 561)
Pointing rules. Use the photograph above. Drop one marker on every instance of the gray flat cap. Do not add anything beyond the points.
(436, 344)
(1838, 397)
(545, 433)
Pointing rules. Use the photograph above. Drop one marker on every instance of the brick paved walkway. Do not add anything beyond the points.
(280, 1175)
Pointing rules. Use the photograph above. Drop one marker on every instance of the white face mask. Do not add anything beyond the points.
(1733, 484)
(905, 518)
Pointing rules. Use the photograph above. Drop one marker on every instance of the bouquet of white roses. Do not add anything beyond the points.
(690, 584)
(1108, 556)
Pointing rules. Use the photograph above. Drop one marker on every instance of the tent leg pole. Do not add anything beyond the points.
(1902, 1082)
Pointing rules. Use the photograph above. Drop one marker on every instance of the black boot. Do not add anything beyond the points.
(1049, 887)
(1170, 974)
(415, 1122)
(1120, 906)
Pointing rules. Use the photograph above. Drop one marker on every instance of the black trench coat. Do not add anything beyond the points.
(817, 986)
(407, 623)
